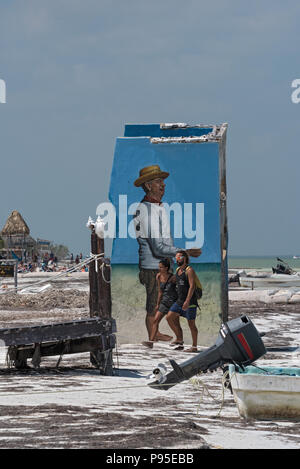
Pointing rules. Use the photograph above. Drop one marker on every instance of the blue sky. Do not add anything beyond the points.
(77, 71)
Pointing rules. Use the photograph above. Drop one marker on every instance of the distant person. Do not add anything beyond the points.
(46, 259)
(72, 258)
(77, 260)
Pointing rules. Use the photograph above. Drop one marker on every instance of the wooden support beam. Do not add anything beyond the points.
(93, 278)
(99, 277)
(100, 298)
(104, 289)
(48, 349)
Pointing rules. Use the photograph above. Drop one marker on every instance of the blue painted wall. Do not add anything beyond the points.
(154, 130)
(194, 178)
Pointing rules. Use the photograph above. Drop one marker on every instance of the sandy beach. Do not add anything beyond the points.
(75, 407)
(149, 189)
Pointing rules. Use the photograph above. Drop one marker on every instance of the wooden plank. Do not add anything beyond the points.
(223, 222)
(98, 343)
(57, 331)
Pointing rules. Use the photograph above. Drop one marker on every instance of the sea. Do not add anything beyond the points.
(239, 262)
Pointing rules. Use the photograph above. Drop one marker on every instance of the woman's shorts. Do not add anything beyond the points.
(189, 314)
(164, 309)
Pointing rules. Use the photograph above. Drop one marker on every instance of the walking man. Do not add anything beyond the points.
(186, 303)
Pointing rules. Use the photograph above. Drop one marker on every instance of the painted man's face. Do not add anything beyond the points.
(157, 187)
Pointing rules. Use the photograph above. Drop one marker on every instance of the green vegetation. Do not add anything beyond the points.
(59, 250)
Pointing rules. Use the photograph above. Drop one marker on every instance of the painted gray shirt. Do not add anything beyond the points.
(153, 234)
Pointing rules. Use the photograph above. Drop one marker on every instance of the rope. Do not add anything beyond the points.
(93, 257)
(102, 271)
(196, 382)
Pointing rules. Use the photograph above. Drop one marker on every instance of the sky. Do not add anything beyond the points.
(77, 71)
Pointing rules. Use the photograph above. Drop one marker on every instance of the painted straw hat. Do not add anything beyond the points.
(149, 173)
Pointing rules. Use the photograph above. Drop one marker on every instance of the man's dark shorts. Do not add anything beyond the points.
(189, 314)
(148, 279)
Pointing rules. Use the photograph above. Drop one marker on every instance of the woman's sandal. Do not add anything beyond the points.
(148, 343)
(176, 342)
(191, 350)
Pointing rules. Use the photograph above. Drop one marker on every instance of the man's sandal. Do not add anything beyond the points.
(176, 342)
(179, 346)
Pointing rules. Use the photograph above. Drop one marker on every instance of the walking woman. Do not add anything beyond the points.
(166, 297)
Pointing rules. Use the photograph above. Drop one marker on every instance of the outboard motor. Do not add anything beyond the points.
(238, 342)
(282, 268)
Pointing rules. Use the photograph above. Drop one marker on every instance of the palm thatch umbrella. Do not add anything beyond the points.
(15, 225)
(16, 236)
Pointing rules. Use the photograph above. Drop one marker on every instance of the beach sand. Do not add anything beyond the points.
(75, 407)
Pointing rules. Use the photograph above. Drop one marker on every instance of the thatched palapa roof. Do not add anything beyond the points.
(15, 225)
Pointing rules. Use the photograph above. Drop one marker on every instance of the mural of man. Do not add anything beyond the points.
(154, 237)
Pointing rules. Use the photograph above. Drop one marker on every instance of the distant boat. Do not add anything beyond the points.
(296, 257)
(283, 276)
(270, 280)
(282, 268)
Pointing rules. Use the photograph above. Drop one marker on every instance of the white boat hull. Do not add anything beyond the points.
(274, 280)
(266, 396)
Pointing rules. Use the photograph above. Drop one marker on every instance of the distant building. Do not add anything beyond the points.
(43, 246)
(17, 240)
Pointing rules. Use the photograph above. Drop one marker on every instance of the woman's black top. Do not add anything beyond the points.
(169, 292)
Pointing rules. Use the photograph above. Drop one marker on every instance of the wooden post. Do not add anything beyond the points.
(100, 290)
(104, 288)
(16, 276)
(100, 298)
(94, 294)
